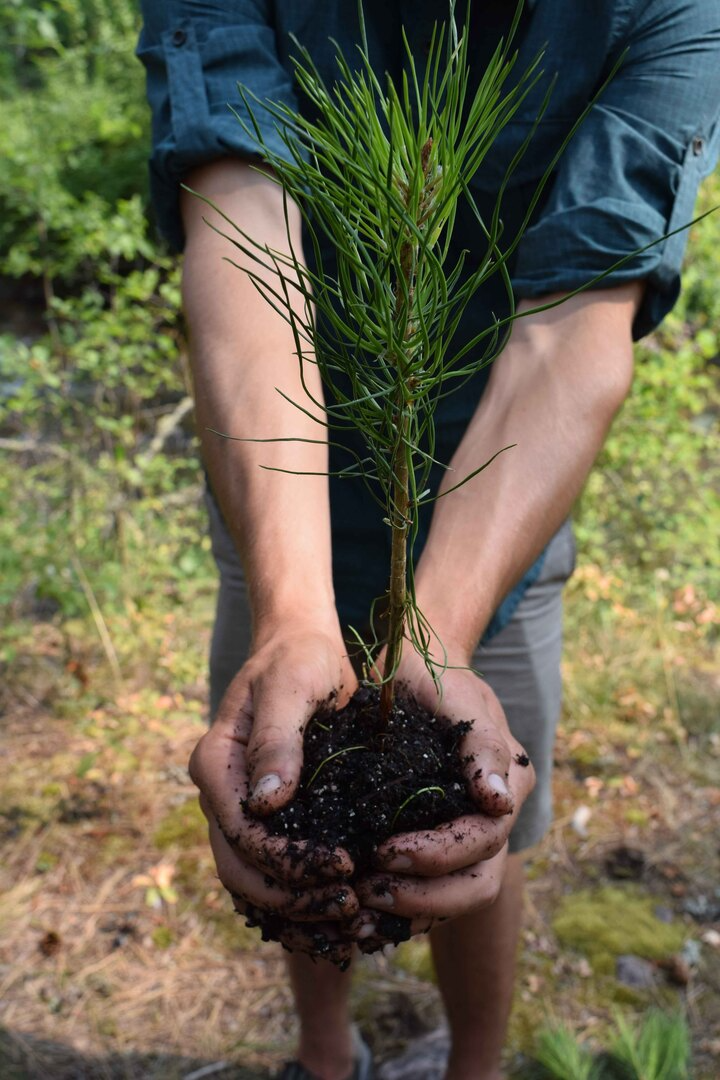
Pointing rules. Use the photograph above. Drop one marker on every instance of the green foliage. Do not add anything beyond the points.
(656, 1049)
(90, 395)
(414, 957)
(87, 400)
(112, 352)
(56, 510)
(562, 1057)
(73, 138)
(653, 500)
(183, 826)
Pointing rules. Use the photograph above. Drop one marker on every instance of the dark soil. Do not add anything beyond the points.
(364, 781)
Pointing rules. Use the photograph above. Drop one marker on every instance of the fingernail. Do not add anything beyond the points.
(399, 862)
(383, 900)
(497, 783)
(266, 786)
(366, 931)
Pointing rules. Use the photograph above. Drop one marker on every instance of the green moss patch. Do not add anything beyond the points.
(162, 937)
(230, 931)
(610, 922)
(184, 826)
(415, 957)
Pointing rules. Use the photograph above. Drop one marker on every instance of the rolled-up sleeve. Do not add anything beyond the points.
(195, 54)
(631, 173)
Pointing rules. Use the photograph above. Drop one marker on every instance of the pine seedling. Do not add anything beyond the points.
(561, 1057)
(657, 1050)
(378, 172)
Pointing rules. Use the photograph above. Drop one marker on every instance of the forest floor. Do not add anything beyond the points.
(120, 956)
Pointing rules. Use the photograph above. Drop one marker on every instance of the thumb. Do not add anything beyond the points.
(275, 748)
(488, 770)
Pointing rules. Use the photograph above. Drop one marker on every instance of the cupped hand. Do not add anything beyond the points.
(253, 752)
(445, 872)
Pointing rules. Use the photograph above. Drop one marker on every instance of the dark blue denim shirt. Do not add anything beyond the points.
(629, 175)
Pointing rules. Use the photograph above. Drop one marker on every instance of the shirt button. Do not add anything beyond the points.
(179, 38)
(698, 145)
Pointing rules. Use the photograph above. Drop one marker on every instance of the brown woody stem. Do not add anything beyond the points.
(400, 505)
(398, 564)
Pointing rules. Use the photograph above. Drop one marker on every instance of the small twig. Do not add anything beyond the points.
(98, 618)
(166, 426)
(191, 494)
(33, 446)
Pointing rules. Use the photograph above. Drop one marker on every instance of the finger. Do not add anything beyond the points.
(318, 943)
(275, 748)
(522, 774)
(373, 930)
(452, 846)
(218, 764)
(419, 898)
(320, 940)
(487, 758)
(329, 902)
(292, 861)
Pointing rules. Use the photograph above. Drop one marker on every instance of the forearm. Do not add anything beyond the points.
(242, 354)
(553, 394)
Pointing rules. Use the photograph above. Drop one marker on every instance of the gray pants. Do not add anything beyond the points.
(521, 663)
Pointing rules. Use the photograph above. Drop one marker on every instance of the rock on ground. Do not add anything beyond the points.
(425, 1059)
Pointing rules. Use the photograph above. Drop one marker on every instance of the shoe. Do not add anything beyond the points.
(362, 1069)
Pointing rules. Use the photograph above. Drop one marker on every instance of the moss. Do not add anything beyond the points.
(115, 848)
(227, 929)
(588, 755)
(628, 995)
(46, 860)
(609, 922)
(184, 826)
(230, 931)
(53, 790)
(107, 1027)
(415, 957)
(537, 867)
(192, 871)
(162, 937)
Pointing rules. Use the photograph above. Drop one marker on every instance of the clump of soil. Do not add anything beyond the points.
(364, 781)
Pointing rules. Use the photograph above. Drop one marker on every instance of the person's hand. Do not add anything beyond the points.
(438, 874)
(253, 752)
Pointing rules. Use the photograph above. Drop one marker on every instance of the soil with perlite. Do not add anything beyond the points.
(365, 779)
